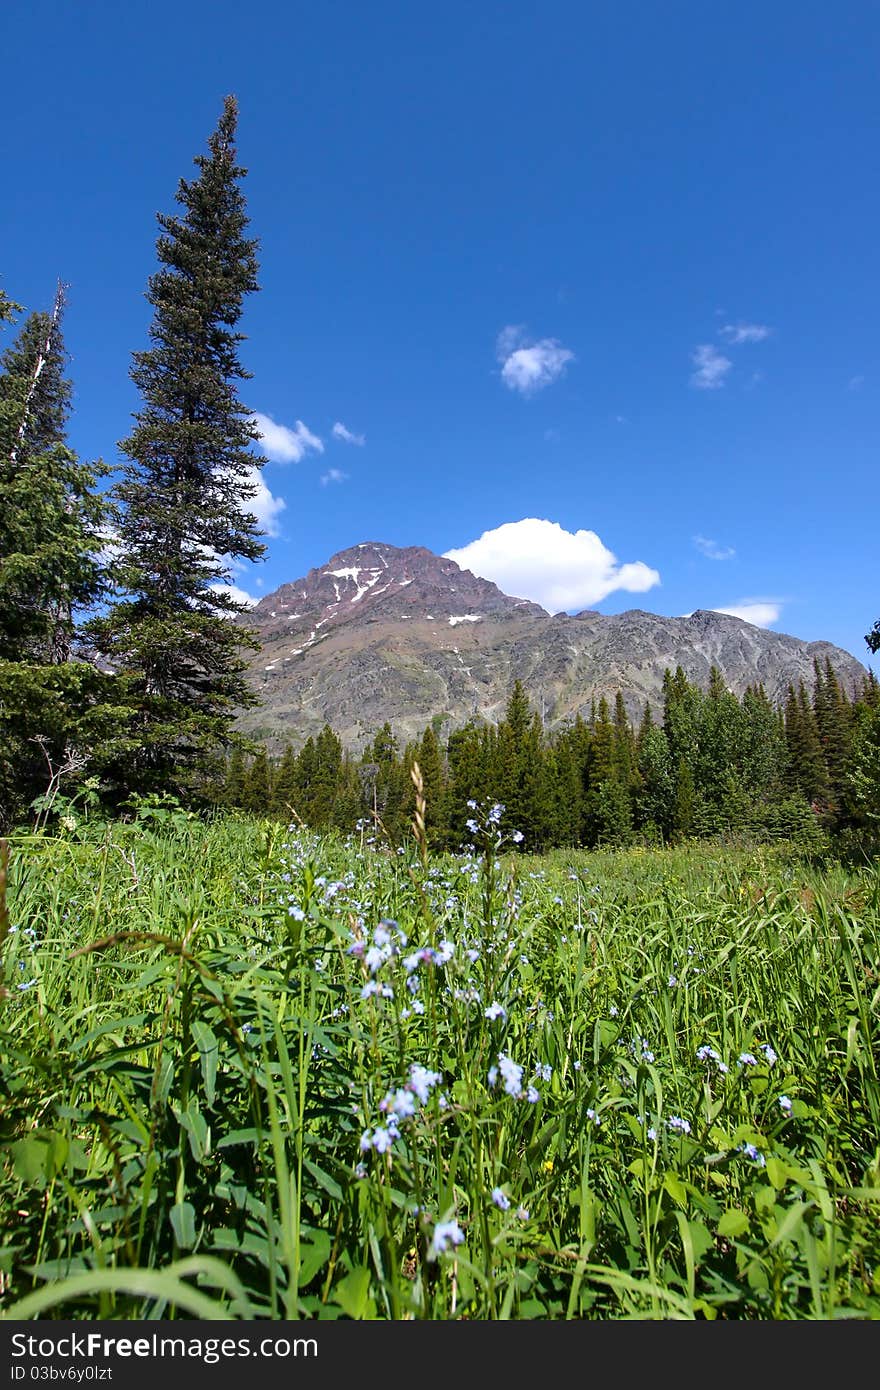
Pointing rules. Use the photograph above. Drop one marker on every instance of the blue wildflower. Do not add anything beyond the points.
(446, 1233)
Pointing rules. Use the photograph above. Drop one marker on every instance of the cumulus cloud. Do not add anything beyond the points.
(333, 475)
(745, 332)
(761, 612)
(528, 366)
(710, 367)
(712, 550)
(342, 432)
(558, 569)
(284, 445)
(235, 593)
(263, 505)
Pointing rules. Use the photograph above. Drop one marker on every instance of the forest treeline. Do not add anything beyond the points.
(705, 764)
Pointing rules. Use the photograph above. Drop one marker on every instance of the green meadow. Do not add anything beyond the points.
(252, 1072)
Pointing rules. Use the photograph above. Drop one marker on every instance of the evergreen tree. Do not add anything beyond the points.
(8, 308)
(566, 779)
(50, 512)
(258, 785)
(656, 796)
(325, 782)
(386, 782)
(763, 753)
(625, 751)
(468, 778)
(284, 791)
(685, 804)
(806, 772)
(683, 726)
(870, 692)
(302, 789)
(184, 490)
(718, 770)
(608, 812)
(521, 780)
(53, 705)
(347, 801)
(833, 715)
(682, 716)
(235, 789)
(570, 753)
(430, 760)
(863, 771)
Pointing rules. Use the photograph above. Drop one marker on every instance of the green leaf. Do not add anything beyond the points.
(165, 1078)
(701, 1239)
(788, 1227)
(352, 1293)
(313, 1255)
(183, 1223)
(675, 1187)
(733, 1223)
(765, 1197)
(206, 1041)
(238, 1136)
(39, 1158)
(197, 1129)
(330, 1185)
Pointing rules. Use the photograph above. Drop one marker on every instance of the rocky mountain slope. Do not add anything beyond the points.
(384, 633)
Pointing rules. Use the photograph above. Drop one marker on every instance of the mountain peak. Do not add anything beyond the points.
(374, 581)
(383, 632)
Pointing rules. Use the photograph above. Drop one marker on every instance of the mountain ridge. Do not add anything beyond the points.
(385, 633)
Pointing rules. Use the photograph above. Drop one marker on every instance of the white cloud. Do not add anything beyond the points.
(235, 593)
(710, 367)
(561, 570)
(526, 366)
(263, 505)
(284, 445)
(762, 612)
(712, 550)
(341, 431)
(745, 332)
(333, 475)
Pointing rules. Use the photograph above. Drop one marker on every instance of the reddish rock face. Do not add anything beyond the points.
(401, 634)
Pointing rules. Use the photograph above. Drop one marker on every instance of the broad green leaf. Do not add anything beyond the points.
(183, 1222)
(353, 1292)
(675, 1187)
(206, 1041)
(313, 1255)
(733, 1223)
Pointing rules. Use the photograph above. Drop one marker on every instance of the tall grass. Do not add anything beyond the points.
(256, 1073)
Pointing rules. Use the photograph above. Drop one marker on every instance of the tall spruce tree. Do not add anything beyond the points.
(607, 807)
(51, 518)
(50, 511)
(184, 491)
(656, 796)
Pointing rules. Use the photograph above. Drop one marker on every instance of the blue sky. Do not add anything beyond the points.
(591, 289)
